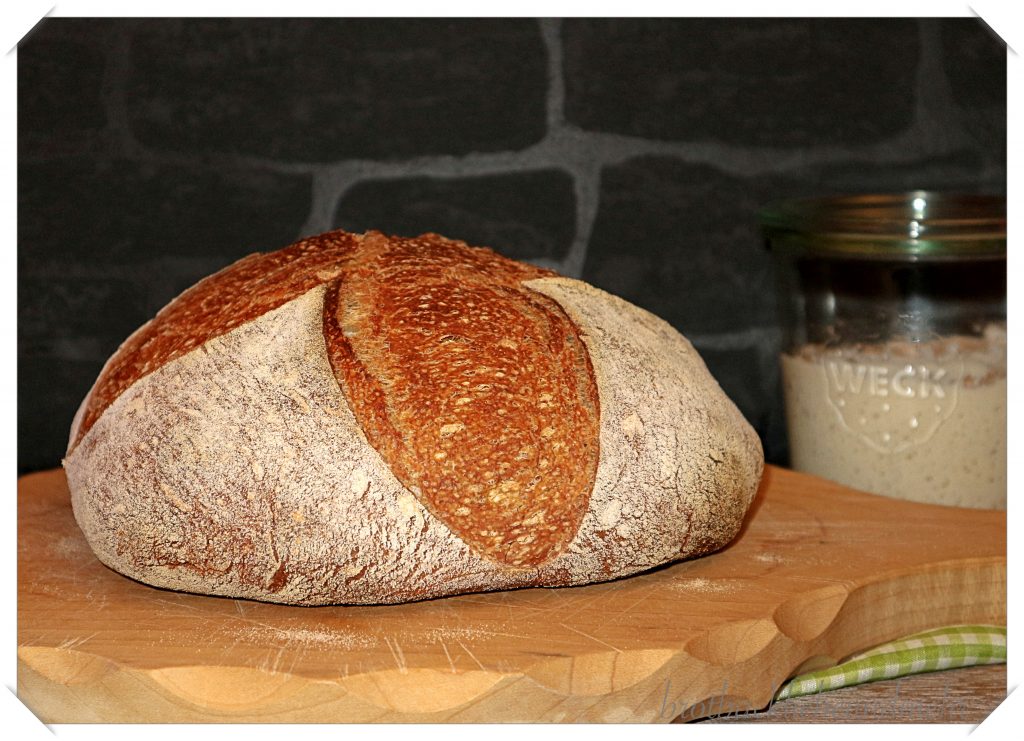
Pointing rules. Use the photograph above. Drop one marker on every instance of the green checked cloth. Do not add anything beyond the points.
(945, 648)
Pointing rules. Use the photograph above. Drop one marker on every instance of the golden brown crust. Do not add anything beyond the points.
(239, 468)
(238, 294)
(477, 392)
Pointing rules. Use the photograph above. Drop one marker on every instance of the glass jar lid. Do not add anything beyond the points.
(912, 226)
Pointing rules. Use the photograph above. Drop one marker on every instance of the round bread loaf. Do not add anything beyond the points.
(373, 419)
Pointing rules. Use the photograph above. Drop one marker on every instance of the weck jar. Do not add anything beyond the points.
(894, 342)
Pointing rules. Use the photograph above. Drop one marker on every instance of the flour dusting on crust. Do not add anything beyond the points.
(239, 469)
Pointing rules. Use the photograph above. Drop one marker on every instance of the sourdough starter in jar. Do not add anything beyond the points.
(922, 421)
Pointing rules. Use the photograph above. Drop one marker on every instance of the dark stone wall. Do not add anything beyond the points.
(632, 153)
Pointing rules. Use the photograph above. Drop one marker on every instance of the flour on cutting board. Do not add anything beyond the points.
(309, 637)
(700, 584)
(70, 546)
(458, 633)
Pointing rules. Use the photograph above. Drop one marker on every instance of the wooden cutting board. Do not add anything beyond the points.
(818, 572)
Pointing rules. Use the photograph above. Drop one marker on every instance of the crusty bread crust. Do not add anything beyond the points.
(217, 304)
(239, 469)
(476, 391)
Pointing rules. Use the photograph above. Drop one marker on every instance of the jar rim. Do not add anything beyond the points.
(913, 225)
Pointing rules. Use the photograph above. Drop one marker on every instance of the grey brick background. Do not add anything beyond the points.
(632, 153)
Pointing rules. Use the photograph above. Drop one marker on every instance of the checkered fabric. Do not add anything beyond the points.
(934, 650)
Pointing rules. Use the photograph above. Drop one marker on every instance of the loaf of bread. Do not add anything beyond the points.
(369, 419)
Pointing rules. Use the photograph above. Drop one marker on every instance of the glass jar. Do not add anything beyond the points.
(894, 342)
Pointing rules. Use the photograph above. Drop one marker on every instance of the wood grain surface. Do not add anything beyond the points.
(818, 572)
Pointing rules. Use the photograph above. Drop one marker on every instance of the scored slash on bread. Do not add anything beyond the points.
(476, 390)
(372, 419)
